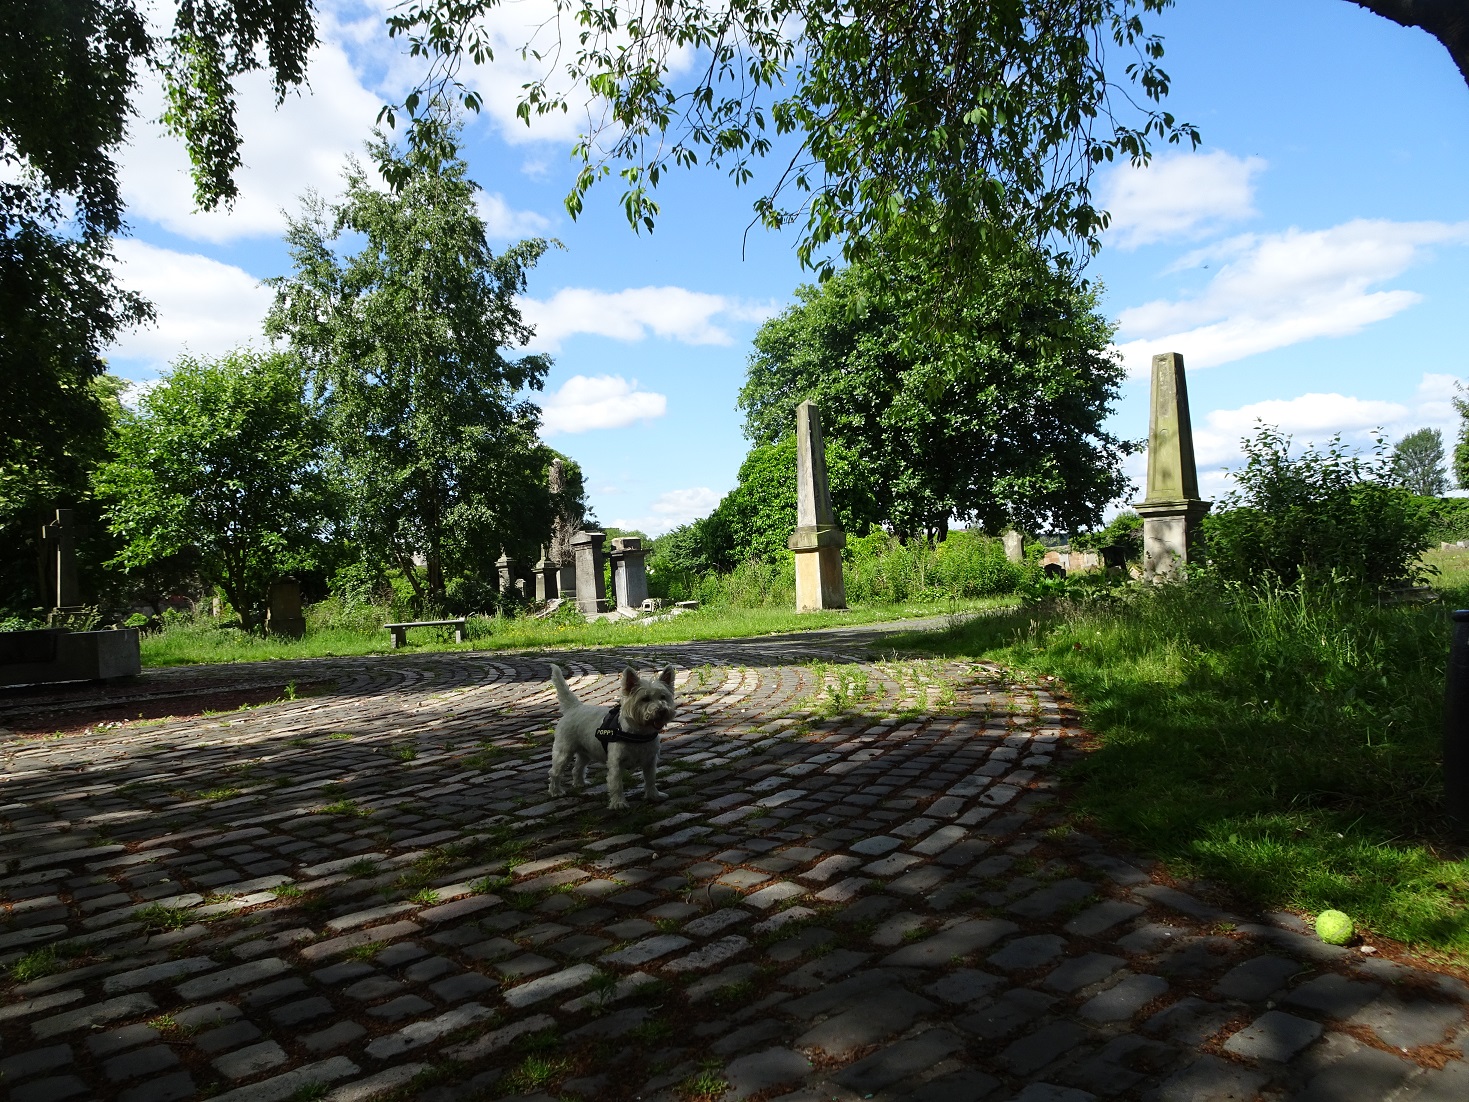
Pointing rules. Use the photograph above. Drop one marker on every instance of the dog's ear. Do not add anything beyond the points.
(666, 676)
(630, 679)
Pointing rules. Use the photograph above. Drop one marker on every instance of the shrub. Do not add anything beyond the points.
(1125, 531)
(1322, 515)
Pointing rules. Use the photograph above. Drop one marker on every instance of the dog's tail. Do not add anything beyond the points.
(564, 695)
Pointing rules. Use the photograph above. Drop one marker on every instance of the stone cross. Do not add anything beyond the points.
(1172, 509)
(817, 541)
(590, 594)
(59, 560)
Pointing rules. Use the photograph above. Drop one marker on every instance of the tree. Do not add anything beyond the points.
(1417, 463)
(68, 77)
(997, 113)
(754, 520)
(404, 341)
(1000, 426)
(222, 457)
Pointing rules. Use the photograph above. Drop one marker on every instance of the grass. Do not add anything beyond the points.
(203, 640)
(1287, 747)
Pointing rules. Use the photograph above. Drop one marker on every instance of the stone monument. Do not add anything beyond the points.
(590, 595)
(546, 571)
(283, 609)
(817, 541)
(506, 566)
(59, 562)
(1172, 509)
(629, 572)
(1014, 545)
(562, 531)
(54, 654)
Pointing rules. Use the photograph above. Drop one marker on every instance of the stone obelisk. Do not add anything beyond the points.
(817, 541)
(1172, 509)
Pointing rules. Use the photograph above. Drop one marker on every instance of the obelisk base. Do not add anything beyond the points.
(818, 552)
(1171, 536)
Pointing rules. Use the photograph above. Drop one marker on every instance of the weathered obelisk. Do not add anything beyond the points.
(817, 541)
(1172, 509)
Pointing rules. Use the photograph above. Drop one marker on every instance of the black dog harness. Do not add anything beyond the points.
(610, 730)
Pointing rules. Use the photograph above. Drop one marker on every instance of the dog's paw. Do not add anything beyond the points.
(555, 790)
(617, 805)
(656, 795)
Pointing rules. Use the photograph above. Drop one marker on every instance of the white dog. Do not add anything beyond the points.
(624, 736)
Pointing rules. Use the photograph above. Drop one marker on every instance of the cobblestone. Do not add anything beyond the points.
(880, 891)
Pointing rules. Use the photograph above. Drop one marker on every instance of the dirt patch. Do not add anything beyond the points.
(102, 715)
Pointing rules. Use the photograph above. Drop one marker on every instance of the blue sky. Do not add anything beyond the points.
(1309, 259)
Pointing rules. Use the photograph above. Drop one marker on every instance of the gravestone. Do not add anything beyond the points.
(562, 530)
(629, 572)
(590, 596)
(506, 566)
(1014, 545)
(283, 614)
(546, 571)
(59, 562)
(1172, 509)
(817, 541)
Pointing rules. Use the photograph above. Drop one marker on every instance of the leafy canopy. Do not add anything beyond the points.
(994, 114)
(405, 343)
(221, 457)
(999, 424)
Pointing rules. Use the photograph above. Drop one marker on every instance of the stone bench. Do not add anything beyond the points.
(399, 632)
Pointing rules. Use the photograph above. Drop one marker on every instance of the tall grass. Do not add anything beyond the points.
(1285, 742)
(876, 568)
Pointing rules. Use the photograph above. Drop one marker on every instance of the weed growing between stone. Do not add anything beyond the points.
(1285, 744)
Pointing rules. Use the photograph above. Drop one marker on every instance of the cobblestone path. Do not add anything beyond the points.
(861, 886)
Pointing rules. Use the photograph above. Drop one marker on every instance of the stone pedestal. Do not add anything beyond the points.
(1172, 509)
(283, 614)
(818, 552)
(629, 572)
(817, 541)
(51, 655)
(1014, 545)
(505, 565)
(566, 580)
(546, 581)
(590, 594)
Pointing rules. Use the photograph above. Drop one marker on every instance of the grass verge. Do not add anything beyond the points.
(204, 641)
(1287, 747)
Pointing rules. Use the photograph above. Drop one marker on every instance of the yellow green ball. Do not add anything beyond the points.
(1333, 927)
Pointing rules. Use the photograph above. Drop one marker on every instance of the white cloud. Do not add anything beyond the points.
(503, 222)
(1312, 419)
(672, 313)
(1185, 195)
(673, 508)
(599, 402)
(1276, 290)
(202, 305)
(304, 144)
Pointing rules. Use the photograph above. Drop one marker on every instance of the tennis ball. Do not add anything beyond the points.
(1333, 927)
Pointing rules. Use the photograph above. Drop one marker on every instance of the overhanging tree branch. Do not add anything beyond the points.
(1446, 20)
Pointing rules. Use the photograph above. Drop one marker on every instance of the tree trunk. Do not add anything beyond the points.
(1446, 20)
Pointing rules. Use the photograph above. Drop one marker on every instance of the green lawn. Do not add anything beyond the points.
(1286, 748)
(204, 641)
